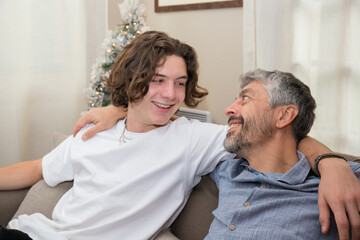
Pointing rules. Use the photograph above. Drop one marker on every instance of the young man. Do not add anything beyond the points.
(132, 180)
(270, 193)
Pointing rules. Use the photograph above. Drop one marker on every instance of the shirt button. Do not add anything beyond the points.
(232, 227)
(263, 186)
(247, 204)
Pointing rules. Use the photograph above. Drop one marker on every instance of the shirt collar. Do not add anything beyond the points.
(296, 175)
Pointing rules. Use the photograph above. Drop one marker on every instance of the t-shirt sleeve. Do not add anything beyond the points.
(207, 147)
(56, 165)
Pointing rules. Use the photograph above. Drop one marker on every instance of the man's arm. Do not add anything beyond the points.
(339, 190)
(20, 175)
(103, 118)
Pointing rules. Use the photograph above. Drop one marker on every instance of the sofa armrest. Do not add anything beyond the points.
(9, 204)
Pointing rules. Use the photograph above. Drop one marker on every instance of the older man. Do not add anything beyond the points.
(271, 192)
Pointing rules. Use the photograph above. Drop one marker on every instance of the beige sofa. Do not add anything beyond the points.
(192, 224)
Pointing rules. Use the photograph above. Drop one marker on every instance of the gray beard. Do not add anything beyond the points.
(255, 131)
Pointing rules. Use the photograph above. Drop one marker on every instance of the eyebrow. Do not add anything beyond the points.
(164, 76)
(244, 91)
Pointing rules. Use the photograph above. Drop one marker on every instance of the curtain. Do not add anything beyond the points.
(47, 48)
(319, 42)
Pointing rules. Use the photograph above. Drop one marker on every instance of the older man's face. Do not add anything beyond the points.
(250, 119)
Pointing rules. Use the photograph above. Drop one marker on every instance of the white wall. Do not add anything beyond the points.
(216, 34)
(47, 48)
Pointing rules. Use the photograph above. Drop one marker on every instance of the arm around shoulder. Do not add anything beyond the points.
(21, 175)
(312, 149)
(103, 118)
(339, 190)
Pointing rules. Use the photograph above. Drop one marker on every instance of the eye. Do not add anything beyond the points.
(244, 98)
(157, 80)
(181, 83)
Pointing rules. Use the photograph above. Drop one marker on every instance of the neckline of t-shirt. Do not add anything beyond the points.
(122, 129)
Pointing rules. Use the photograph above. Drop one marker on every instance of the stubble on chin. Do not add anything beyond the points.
(253, 133)
(236, 144)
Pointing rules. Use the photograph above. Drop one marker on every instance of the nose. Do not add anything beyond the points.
(232, 109)
(169, 91)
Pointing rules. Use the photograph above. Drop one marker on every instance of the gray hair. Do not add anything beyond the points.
(284, 89)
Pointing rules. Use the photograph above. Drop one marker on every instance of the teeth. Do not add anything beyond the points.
(234, 125)
(162, 105)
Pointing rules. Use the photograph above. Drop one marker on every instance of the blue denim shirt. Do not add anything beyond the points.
(255, 205)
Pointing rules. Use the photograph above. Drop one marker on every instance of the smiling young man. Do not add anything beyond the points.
(165, 95)
(132, 180)
(270, 193)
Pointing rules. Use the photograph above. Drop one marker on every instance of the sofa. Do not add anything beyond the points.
(192, 224)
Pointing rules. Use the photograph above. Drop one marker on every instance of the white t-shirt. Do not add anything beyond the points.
(125, 190)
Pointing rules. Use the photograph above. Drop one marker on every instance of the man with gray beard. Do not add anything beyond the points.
(271, 192)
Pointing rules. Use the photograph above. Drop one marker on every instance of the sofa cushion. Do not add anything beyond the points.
(194, 221)
(42, 198)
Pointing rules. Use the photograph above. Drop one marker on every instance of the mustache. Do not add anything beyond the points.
(240, 118)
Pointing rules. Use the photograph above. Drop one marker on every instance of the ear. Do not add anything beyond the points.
(286, 114)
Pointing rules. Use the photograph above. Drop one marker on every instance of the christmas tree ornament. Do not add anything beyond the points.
(132, 14)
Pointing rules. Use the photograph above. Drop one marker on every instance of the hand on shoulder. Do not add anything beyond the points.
(103, 118)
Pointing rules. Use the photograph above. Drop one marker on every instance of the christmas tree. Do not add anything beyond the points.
(132, 14)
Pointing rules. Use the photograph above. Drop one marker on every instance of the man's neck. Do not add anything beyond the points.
(277, 155)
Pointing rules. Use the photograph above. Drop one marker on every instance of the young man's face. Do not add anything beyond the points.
(250, 119)
(166, 94)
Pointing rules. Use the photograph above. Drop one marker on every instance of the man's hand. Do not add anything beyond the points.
(339, 191)
(103, 118)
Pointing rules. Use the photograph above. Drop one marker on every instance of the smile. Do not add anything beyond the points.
(234, 125)
(162, 105)
(235, 121)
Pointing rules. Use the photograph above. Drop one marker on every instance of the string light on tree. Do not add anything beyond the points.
(132, 14)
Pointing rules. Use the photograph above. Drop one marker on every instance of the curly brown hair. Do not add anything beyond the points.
(135, 66)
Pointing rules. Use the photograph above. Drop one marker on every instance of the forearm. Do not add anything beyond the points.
(312, 149)
(338, 190)
(119, 112)
(20, 175)
(111, 112)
